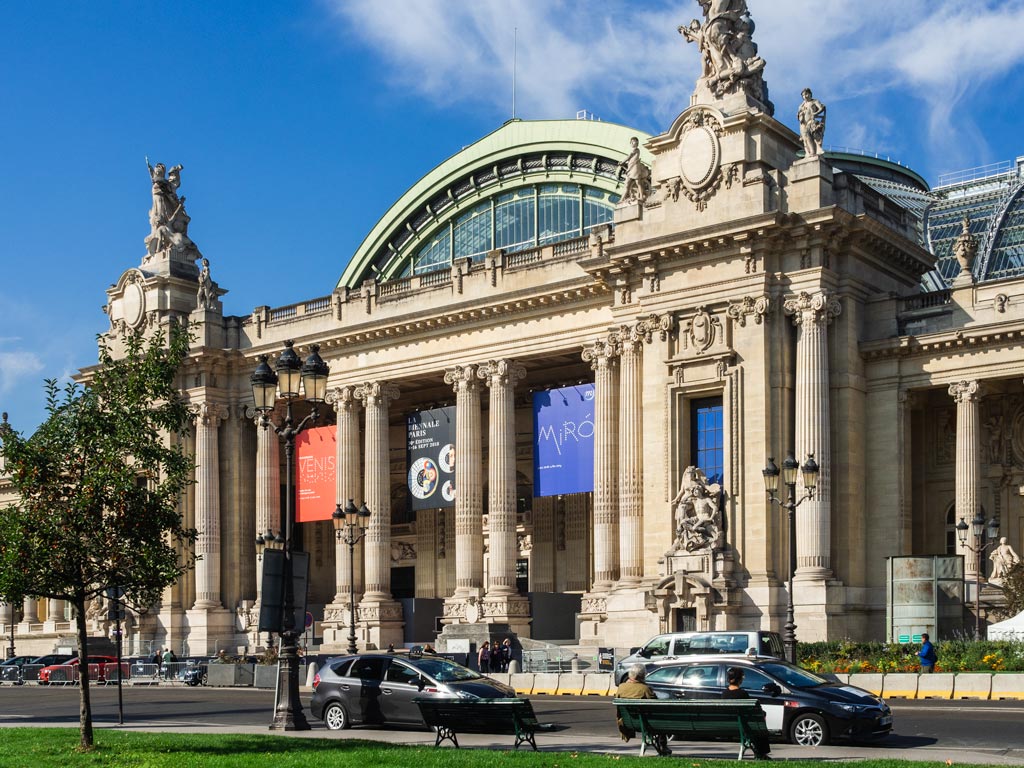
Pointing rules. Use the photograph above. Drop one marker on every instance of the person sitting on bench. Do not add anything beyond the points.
(634, 687)
(735, 691)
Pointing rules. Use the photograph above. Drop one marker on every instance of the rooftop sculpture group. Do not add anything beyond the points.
(168, 221)
(729, 60)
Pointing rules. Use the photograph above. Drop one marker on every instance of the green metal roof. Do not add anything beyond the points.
(583, 151)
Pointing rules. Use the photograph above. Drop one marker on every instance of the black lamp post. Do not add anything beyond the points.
(10, 630)
(978, 531)
(771, 485)
(350, 527)
(290, 374)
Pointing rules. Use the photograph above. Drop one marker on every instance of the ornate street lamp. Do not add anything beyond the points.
(978, 531)
(771, 485)
(350, 527)
(289, 377)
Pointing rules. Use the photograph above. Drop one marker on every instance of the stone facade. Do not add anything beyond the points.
(778, 285)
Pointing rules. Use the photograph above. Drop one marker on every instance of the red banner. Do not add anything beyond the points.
(315, 472)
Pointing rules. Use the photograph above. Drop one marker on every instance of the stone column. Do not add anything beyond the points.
(381, 614)
(812, 314)
(469, 492)
(207, 494)
(30, 611)
(268, 490)
(631, 457)
(503, 602)
(603, 358)
(55, 610)
(348, 485)
(968, 464)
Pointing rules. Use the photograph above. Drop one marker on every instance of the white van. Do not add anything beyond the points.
(671, 647)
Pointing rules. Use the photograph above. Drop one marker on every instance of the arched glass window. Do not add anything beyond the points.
(517, 220)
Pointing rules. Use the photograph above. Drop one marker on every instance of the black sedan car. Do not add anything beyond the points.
(799, 705)
(380, 688)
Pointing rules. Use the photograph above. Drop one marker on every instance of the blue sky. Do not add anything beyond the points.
(299, 123)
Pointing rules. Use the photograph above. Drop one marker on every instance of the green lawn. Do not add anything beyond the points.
(57, 748)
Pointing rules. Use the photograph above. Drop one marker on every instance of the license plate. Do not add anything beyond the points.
(887, 720)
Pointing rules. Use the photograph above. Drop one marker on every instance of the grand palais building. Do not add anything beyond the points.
(559, 366)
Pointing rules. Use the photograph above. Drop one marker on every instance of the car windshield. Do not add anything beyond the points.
(792, 676)
(445, 671)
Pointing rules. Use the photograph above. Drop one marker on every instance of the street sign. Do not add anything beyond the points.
(309, 619)
(904, 638)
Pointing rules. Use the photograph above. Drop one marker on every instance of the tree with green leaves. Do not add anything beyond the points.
(99, 485)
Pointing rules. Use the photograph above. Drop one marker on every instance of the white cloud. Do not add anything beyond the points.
(17, 367)
(631, 66)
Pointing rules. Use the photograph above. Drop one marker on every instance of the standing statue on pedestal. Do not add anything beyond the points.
(205, 297)
(811, 116)
(168, 221)
(729, 60)
(638, 175)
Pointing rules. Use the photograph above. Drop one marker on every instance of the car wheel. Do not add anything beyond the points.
(809, 730)
(204, 680)
(335, 717)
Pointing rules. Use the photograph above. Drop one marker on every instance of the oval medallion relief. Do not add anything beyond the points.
(133, 304)
(699, 156)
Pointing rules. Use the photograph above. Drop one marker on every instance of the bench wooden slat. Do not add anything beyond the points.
(451, 716)
(693, 719)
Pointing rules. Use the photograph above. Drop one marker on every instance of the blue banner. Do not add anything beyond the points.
(563, 440)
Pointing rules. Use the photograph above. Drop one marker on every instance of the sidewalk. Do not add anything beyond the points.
(566, 741)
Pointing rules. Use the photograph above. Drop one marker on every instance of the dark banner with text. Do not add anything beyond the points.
(430, 453)
(563, 440)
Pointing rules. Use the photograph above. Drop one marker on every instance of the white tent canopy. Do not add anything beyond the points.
(1011, 629)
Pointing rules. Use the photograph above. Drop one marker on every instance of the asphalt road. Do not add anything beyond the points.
(960, 727)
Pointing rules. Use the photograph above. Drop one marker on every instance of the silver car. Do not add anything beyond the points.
(381, 687)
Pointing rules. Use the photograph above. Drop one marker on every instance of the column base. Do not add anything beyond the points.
(593, 612)
(209, 630)
(382, 623)
(465, 638)
(512, 610)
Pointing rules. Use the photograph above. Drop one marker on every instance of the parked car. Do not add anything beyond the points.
(380, 688)
(662, 649)
(67, 671)
(799, 706)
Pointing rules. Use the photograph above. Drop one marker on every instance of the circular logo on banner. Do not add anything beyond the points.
(423, 478)
(448, 491)
(447, 458)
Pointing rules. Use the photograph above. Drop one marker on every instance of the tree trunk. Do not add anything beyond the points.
(84, 706)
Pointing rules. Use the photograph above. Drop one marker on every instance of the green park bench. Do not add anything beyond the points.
(655, 720)
(493, 716)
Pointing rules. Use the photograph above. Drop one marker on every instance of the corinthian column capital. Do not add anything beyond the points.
(816, 308)
(342, 398)
(210, 414)
(501, 372)
(461, 377)
(601, 354)
(965, 391)
(379, 393)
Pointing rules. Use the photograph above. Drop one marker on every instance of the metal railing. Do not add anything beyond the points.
(556, 660)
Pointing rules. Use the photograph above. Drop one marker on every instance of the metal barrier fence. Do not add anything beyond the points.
(555, 660)
(137, 673)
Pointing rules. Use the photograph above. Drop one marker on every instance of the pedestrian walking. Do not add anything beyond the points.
(506, 653)
(927, 654)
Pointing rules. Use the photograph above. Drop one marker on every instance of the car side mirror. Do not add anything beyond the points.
(421, 683)
(771, 689)
(644, 653)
